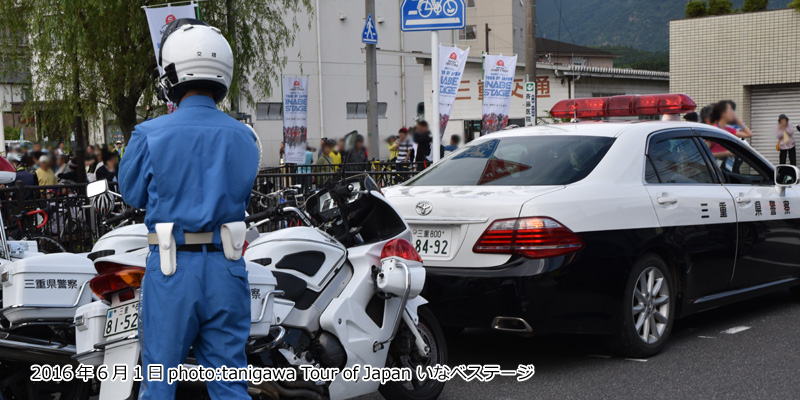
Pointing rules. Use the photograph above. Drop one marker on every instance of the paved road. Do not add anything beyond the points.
(744, 351)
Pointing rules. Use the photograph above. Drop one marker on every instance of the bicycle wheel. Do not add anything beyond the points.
(47, 245)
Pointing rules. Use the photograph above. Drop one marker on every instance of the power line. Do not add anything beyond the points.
(558, 45)
(566, 26)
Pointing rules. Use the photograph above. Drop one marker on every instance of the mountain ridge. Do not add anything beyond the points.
(639, 24)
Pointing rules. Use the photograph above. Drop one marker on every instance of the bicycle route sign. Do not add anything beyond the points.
(432, 15)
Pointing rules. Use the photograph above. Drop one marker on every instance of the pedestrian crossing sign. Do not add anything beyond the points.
(370, 34)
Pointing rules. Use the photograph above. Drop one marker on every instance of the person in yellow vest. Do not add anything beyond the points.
(390, 143)
(119, 148)
(336, 154)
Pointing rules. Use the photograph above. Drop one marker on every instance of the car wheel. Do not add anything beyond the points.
(648, 309)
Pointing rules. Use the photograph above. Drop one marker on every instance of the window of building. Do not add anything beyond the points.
(470, 32)
(359, 110)
(471, 3)
(269, 111)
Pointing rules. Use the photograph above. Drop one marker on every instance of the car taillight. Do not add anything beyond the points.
(533, 237)
(108, 283)
(400, 248)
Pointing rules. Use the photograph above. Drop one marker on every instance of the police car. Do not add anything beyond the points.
(602, 226)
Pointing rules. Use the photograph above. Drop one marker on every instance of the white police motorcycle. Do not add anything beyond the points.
(347, 296)
(351, 282)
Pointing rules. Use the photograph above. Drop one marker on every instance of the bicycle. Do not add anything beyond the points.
(278, 200)
(427, 7)
(23, 231)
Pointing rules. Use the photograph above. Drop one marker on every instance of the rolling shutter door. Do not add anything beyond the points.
(766, 104)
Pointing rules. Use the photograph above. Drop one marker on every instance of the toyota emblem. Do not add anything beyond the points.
(424, 208)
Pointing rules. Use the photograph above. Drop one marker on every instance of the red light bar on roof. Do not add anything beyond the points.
(623, 106)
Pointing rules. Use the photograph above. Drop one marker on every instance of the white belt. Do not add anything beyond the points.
(190, 238)
(232, 236)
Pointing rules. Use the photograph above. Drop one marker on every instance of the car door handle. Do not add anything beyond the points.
(665, 200)
(742, 200)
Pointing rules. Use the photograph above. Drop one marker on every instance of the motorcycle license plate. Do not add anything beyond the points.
(432, 241)
(123, 318)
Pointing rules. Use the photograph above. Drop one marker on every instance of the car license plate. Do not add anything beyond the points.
(122, 318)
(432, 241)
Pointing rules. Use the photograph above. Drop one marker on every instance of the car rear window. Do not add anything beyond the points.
(532, 161)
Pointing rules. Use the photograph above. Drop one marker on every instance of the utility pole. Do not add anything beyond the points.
(530, 49)
(373, 140)
(487, 37)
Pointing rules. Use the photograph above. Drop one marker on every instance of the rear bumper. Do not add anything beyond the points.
(568, 294)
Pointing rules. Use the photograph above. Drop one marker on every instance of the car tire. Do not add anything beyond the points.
(649, 302)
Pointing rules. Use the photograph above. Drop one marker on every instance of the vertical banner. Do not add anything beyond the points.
(451, 67)
(295, 115)
(159, 17)
(498, 82)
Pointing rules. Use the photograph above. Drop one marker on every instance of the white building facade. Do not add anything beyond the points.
(328, 50)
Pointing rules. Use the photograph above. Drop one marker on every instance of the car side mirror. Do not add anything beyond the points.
(785, 176)
(96, 188)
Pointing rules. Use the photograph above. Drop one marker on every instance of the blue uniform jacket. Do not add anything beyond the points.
(194, 167)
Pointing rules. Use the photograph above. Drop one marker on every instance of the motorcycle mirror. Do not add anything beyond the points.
(7, 177)
(350, 141)
(97, 188)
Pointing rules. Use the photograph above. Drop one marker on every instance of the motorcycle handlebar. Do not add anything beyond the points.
(121, 217)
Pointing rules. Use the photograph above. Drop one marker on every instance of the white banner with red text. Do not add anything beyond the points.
(451, 68)
(295, 117)
(498, 83)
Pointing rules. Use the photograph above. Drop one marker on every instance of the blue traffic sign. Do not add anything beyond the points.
(369, 35)
(432, 15)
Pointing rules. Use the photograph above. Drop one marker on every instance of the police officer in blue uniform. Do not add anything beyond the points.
(193, 171)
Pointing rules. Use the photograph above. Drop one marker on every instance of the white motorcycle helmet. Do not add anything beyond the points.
(194, 55)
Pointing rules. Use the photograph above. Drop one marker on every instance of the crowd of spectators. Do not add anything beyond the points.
(51, 166)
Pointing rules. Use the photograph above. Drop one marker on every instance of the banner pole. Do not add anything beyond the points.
(435, 123)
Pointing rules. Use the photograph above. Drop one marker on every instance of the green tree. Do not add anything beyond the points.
(795, 4)
(755, 5)
(95, 56)
(11, 133)
(719, 7)
(696, 9)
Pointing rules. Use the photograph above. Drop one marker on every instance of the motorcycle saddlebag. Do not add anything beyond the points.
(90, 320)
(261, 284)
(46, 288)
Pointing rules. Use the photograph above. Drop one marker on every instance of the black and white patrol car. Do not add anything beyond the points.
(602, 227)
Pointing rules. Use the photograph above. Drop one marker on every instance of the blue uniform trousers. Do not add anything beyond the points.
(206, 305)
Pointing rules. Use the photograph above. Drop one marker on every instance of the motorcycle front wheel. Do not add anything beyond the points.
(403, 353)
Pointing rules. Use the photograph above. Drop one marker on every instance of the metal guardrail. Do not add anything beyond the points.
(312, 177)
(67, 221)
(76, 227)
